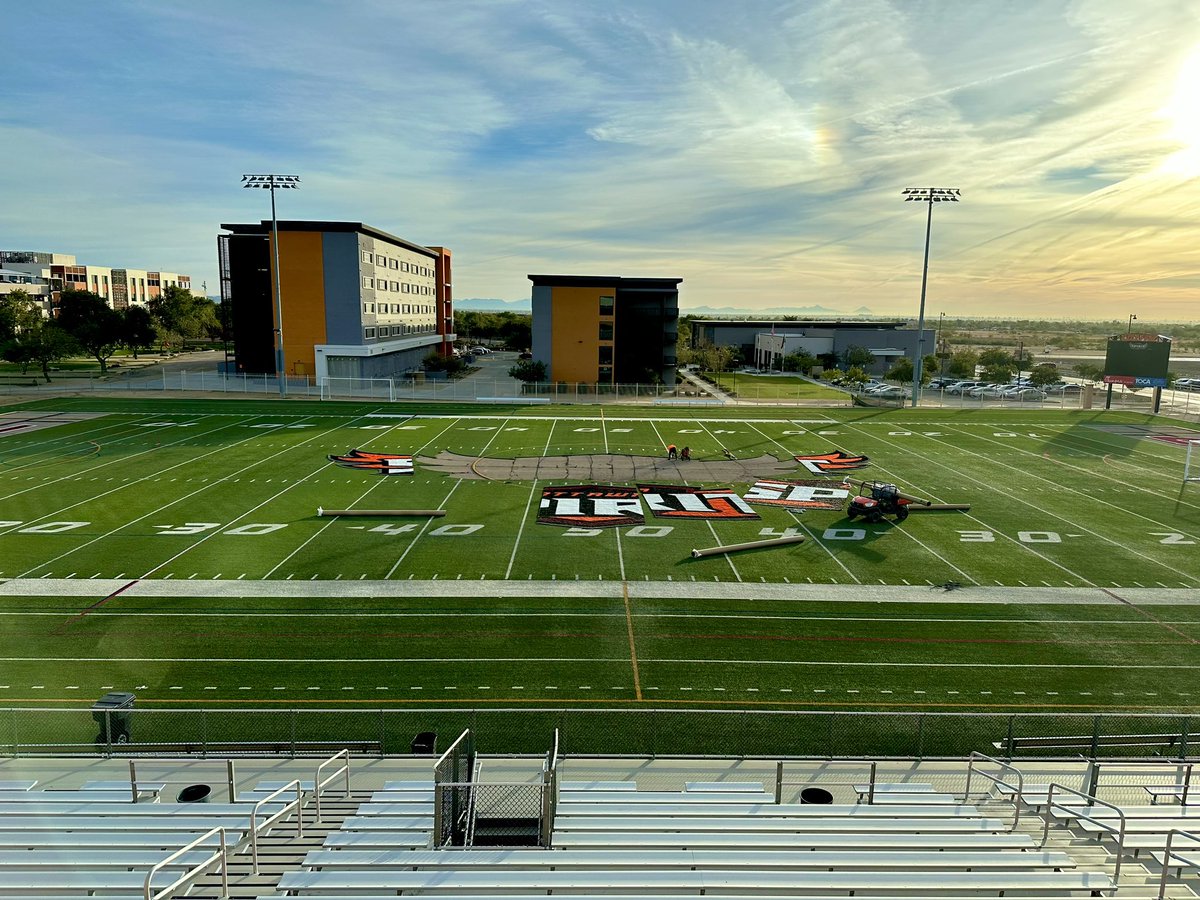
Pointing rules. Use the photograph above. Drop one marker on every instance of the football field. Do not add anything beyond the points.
(173, 548)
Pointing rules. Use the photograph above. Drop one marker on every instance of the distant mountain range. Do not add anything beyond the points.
(523, 306)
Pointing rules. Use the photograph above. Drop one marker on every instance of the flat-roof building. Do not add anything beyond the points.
(606, 329)
(357, 302)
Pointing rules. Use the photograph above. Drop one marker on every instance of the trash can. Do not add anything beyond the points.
(112, 714)
(425, 742)
(815, 795)
(194, 793)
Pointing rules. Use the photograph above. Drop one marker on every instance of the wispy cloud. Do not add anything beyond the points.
(758, 150)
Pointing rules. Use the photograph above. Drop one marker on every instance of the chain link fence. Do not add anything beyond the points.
(26, 731)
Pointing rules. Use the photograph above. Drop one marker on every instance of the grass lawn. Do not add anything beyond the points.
(776, 387)
(172, 548)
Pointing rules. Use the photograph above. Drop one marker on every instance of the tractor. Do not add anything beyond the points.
(877, 499)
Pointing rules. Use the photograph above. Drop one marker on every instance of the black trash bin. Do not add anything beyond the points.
(815, 795)
(425, 742)
(194, 793)
(112, 714)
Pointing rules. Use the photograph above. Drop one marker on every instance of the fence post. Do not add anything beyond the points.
(779, 782)
(1095, 737)
(1008, 740)
(108, 732)
(231, 778)
(1183, 737)
(382, 732)
(921, 736)
(295, 715)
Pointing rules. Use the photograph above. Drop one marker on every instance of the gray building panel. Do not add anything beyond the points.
(343, 309)
(542, 324)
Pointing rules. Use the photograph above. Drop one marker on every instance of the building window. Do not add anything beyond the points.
(367, 256)
(606, 331)
(606, 306)
(368, 281)
(606, 356)
(393, 263)
(368, 332)
(396, 286)
(605, 373)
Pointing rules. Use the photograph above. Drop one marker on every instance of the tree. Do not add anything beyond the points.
(963, 363)
(528, 370)
(38, 342)
(803, 361)
(1042, 375)
(135, 328)
(994, 356)
(181, 315)
(1089, 371)
(901, 370)
(95, 327)
(11, 305)
(857, 374)
(858, 356)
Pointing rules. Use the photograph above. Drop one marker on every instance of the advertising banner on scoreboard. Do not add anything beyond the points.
(798, 495)
(590, 506)
(678, 502)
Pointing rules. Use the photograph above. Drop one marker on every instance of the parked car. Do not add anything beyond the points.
(480, 351)
(941, 382)
(1028, 394)
(890, 392)
(961, 387)
(1187, 384)
(987, 391)
(1064, 387)
(870, 387)
(525, 355)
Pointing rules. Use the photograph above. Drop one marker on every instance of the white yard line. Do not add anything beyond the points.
(18, 451)
(708, 522)
(1172, 498)
(360, 498)
(1073, 524)
(153, 512)
(124, 460)
(525, 517)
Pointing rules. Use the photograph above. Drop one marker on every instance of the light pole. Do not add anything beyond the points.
(930, 196)
(270, 183)
(1129, 328)
(940, 348)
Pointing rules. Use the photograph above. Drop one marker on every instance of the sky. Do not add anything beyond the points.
(756, 149)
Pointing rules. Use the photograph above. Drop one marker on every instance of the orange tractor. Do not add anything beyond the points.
(877, 499)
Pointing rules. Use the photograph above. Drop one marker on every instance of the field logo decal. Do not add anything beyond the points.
(383, 463)
(797, 494)
(590, 506)
(677, 502)
(832, 463)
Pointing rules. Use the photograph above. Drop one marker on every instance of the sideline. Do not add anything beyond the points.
(485, 590)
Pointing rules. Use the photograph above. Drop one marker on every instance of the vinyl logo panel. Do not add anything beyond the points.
(833, 463)
(798, 494)
(590, 506)
(677, 502)
(383, 463)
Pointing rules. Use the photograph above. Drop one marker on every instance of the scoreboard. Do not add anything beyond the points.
(1137, 360)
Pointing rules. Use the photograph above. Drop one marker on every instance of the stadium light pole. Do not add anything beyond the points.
(270, 183)
(1129, 327)
(930, 196)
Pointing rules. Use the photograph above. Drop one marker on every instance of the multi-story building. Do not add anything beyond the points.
(606, 330)
(120, 287)
(35, 286)
(357, 302)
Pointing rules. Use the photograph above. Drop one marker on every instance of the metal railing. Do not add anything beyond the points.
(318, 784)
(256, 826)
(452, 776)
(1075, 812)
(230, 775)
(1019, 787)
(1182, 775)
(189, 876)
(1168, 853)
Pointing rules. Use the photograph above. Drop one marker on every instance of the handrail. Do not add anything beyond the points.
(230, 776)
(318, 783)
(1176, 763)
(458, 740)
(270, 820)
(1020, 786)
(195, 871)
(1166, 867)
(1100, 823)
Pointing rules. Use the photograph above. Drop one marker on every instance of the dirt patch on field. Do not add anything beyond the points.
(607, 468)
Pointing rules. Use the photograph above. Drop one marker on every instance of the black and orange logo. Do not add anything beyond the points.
(383, 463)
(590, 506)
(832, 463)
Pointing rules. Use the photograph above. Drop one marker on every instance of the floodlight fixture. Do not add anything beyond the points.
(930, 195)
(271, 183)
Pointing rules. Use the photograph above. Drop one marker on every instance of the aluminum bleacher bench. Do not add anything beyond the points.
(913, 799)
(528, 895)
(437, 882)
(197, 821)
(773, 810)
(378, 840)
(864, 790)
(1131, 812)
(106, 795)
(408, 785)
(18, 785)
(740, 787)
(152, 788)
(568, 786)
(11, 860)
(107, 808)
(387, 823)
(23, 883)
(640, 797)
(659, 860)
(975, 840)
(1178, 791)
(1181, 858)
(1089, 741)
(125, 840)
(733, 825)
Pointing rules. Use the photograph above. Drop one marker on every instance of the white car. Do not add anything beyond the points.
(480, 351)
